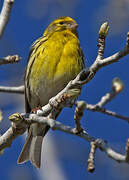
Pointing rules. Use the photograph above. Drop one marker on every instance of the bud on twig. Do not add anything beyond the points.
(16, 118)
(104, 29)
(117, 85)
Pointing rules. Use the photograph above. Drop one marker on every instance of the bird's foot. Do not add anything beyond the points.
(36, 109)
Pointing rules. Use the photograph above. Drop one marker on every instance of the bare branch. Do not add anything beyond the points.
(99, 63)
(20, 124)
(5, 15)
(87, 74)
(10, 59)
(18, 127)
(106, 111)
(18, 89)
(110, 152)
(7, 138)
(106, 98)
(80, 107)
(117, 87)
(91, 166)
(115, 57)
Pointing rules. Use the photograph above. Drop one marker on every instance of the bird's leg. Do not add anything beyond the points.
(34, 110)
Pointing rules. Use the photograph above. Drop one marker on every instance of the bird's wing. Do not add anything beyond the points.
(30, 61)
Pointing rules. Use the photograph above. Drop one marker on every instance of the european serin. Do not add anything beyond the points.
(54, 60)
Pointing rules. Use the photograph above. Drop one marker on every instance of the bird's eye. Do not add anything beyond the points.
(61, 23)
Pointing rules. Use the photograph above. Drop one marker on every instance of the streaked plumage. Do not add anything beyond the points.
(54, 60)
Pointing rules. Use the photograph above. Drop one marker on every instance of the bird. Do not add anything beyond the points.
(54, 59)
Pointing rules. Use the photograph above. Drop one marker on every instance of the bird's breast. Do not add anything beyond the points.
(56, 63)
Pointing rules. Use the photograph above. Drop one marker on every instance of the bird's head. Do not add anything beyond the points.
(61, 24)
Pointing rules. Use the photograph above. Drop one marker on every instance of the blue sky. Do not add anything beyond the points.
(28, 21)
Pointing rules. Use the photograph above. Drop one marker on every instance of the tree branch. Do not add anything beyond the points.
(106, 111)
(117, 87)
(101, 41)
(5, 15)
(10, 59)
(80, 107)
(20, 124)
(7, 138)
(91, 166)
(100, 62)
(115, 57)
(18, 89)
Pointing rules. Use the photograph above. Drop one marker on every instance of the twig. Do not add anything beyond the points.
(115, 57)
(106, 98)
(106, 111)
(87, 74)
(5, 15)
(7, 138)
(80, 107)
(111, 59)
(91, 166)
(103, 145)
(117, 87)
(18, 89)
(101, 41)
(10, 59)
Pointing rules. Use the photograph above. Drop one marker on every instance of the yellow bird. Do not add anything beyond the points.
(54, 60)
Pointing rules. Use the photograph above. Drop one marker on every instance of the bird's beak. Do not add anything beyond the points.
(73, 26)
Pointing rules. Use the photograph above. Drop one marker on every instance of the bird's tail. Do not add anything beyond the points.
(32, 149)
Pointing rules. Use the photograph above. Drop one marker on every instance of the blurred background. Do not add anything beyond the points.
(64, 156)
